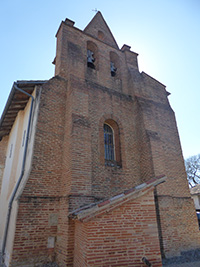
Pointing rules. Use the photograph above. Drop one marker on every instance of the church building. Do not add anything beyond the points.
(91, 167)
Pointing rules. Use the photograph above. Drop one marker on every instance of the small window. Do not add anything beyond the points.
(109, 143)
(100, 35)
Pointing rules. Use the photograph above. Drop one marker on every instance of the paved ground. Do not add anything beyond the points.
(188, 264)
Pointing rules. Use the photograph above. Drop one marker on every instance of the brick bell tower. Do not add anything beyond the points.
(100, 129)
(120, 130)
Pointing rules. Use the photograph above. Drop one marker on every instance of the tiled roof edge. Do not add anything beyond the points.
(195, 190)
(88, 212)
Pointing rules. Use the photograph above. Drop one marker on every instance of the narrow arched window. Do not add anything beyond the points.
(110, 148)
(109, 143)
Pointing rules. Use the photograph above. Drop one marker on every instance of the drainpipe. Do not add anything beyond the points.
(20, 177)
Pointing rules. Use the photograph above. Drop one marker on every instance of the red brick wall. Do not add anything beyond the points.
(92, 106)
(178, 218)
(43, 193)
(36, 222)
(179, 227)
(65, 236)
(94, 96)
(121, 237)
(45, 177)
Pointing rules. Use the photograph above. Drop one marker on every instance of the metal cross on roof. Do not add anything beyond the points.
(95, 10)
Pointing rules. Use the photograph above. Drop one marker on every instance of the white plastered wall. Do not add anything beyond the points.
(13, 167)
(196, 199)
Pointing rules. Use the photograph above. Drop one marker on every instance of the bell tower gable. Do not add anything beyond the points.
(99, 29)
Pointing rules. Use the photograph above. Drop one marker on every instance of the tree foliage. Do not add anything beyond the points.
(192, 165)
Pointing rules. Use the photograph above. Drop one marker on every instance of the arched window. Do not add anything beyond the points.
(109, 143)
(110, 151)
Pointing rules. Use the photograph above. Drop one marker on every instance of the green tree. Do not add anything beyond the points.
(192, 165)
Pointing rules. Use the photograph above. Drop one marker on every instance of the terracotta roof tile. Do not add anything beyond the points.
(195, 190)
(103, 203)
(95, 209)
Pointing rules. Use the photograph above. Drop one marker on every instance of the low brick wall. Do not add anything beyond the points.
(120, 237)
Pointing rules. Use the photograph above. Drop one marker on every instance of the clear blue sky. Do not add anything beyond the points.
(165, 34)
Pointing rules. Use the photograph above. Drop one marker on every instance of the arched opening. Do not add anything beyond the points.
(92, 55)
(114, 65)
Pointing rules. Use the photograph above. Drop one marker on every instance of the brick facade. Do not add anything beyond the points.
(119, 237)
(68, 169)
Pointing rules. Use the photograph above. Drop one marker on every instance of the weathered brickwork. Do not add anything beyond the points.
(174, 230)
(46, 172)
(69, 169)
(37, 222)
(121, 237)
